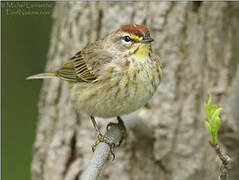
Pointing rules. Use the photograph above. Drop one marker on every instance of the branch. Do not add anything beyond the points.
(102, 151)
(226, 162)
(213, 124)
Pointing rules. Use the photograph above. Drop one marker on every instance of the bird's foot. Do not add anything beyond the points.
(122, 128)
(101, 138)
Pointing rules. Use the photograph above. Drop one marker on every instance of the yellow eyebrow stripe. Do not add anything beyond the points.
(135, 37)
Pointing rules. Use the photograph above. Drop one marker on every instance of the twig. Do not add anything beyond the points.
(226, 161)
(102, 151)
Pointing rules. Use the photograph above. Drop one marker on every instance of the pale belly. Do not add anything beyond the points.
(117, 96)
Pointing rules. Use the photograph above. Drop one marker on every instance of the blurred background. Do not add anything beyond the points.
(25, 33)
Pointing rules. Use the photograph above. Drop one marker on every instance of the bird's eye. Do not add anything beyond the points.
(127, 38)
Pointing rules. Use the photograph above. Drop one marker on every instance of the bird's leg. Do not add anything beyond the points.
(101, 138)
(96, 127)
(122, 128)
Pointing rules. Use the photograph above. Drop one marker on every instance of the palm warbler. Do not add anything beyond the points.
(113, 76)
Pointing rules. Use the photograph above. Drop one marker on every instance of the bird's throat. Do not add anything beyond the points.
(142, 51)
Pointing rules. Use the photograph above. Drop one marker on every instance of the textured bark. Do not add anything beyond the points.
(195, 42)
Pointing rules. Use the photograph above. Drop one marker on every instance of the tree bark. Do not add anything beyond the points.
(196, 45)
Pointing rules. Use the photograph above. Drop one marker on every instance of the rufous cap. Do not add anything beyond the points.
(136, 29)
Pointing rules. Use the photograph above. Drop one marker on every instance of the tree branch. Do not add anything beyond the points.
(225, 162)
(102, 151)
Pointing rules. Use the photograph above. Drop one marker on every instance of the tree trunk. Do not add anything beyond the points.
(195, 41)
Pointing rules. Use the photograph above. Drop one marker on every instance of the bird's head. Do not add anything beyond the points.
(131, 39)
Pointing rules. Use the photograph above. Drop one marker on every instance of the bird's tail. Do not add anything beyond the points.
(42, 76)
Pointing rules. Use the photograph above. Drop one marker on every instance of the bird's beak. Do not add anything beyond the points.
(147, 40)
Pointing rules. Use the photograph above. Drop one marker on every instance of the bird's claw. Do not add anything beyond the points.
(122, 130)
(106, 140)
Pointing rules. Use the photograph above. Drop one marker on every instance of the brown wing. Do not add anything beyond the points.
(76, 70)
(85, 65)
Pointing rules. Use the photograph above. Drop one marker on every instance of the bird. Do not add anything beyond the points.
(113, 76)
